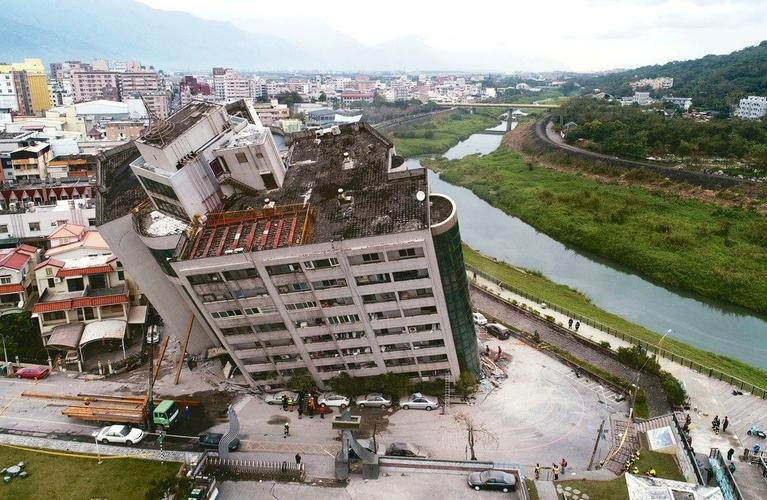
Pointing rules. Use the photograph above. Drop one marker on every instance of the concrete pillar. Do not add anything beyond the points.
(509, 116)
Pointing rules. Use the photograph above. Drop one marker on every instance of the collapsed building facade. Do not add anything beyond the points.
(335, 258)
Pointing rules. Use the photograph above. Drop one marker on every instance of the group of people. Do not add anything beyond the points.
(306, 403)
(715, 424)
(556, 469)
(498, 354)
(631, 465)
(570, 324)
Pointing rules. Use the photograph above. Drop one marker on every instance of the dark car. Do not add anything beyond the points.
(492, 480)
(498, 331)
(406, 450)
(210, 440)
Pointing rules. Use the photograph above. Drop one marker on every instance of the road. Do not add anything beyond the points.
(529, 323)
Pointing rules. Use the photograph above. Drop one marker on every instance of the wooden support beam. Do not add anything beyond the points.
(180, 363)
(156, 368)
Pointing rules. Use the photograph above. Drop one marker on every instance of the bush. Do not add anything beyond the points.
(605, 344)
(675, 393)
(466, 385)
(536, 337)
(388, 383)
(300, 383)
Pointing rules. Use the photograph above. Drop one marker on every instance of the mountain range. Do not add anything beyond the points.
(57, 30)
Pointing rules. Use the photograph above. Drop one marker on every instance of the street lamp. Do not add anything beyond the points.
(5, 353)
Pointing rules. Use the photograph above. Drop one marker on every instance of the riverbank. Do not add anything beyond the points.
(718, 252)
(443, 132)
(551, 293)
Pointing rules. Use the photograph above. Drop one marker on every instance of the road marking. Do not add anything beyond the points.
(57, 422)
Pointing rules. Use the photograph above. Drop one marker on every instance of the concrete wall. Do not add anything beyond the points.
(164, 295)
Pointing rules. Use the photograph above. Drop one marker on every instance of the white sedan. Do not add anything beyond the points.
(420, 402)
(334, 401)
(123, 434)
(375, 400)
(479, 318)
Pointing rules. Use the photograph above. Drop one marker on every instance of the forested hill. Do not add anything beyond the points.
(714, 81)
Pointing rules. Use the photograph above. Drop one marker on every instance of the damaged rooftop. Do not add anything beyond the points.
(337, 186)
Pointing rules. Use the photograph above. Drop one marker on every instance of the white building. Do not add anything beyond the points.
(752, 107)
(28, 221)
(17, 277)
(230, 85)
(345, 264)
(641, 98)
(684, 103)
(8, 98)
(660, 83)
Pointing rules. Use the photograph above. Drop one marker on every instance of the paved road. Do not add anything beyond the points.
(528, 323)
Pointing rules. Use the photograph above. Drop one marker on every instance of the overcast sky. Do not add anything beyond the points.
(580, 34)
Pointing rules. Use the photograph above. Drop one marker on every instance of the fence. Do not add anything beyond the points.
(227, 468)
(685, 455)
(648, 346)
(723, 476)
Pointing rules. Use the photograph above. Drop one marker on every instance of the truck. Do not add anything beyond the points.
(165, 414)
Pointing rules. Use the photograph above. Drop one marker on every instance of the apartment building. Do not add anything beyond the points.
(131, 83)
(158, 102)
(17, 278)
(270, 113)
(25, 221)
(84, 293)
(8, 99)
(752, 107)
(95, 85)
(344, 262)
(228, 84)
(30, 85)
(31, 162)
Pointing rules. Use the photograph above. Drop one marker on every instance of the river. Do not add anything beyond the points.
(695, 320)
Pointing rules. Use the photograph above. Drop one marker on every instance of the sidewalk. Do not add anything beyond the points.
(708, 396)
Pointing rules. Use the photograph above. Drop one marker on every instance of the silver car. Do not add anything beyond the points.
(374, 400)
(418, 401)
(276, 398)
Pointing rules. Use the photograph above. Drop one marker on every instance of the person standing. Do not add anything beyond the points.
(284, 403)
(537, 471)
(570, 323)
(500, 352)
(300, 409)
(298, 459)
(286, 430)
(187, 413)
(555, 471)
(730, 453)
(563, 466)
(322, 411)
(725, 423)
(577, 325)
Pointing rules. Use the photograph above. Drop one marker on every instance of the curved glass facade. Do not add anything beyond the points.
(452, 271)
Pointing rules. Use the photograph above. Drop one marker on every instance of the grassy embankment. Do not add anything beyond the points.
(717, 252)
(443, 132)
(600, 490)
(575, 301)
(63, 478)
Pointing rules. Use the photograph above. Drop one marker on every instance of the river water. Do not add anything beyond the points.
(695, 320)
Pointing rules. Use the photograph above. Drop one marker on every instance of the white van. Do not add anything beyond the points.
(479, 318)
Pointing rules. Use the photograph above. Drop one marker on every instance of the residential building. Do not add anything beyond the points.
(8, 99)
(130, 83)
(158, 102)
(683, 103)
(25, 221)
(95, 85)
(270, 113)
(124, 130)
(44, 193)
(351, 97)
(30, 85)
(344, 262)
(228, 84)
(752, 107)
(31, 161)
(85, 295)
(640, 98)
(126, 66)
(74, 166)
(17, 278)
(660, 83)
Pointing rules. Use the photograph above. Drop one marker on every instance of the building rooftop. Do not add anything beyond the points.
(16, 258)
(337, 186)
(166, 131)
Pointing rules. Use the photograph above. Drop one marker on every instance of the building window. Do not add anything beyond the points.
(170, 209)
(75, 284)
(410, 275)
(97, 281)
(344, 318)
(241, 274)
(121, 275)
(373, 279)
(92, 222)
(283, 269)
(407, 253)
(34, 226)
(371, 257)
(202, 279)
(5, 280)
(54, 316)
(301, 305)
(332, 283)
(321, 263)
(51, 283)
(241, 157)
(232, 313)
(293, 288)
(3, 228)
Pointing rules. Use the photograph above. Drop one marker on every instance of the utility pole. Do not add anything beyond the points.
(150, 395)
(5, 353)
(596, 444)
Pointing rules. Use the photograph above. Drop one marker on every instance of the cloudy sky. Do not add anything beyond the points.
(579, 34)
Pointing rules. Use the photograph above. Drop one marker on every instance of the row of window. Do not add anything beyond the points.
(368, 258)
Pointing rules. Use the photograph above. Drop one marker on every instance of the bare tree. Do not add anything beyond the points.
(475, 433)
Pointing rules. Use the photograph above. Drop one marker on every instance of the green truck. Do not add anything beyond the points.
(165, 414)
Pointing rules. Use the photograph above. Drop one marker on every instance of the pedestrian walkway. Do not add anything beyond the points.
(708, 396)
(546, 490)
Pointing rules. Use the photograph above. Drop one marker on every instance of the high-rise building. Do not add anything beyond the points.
(341, 262)
(230, 85)
(94, 85)
(8, 100)
(30, 85)
(752, 107)
(137, 82)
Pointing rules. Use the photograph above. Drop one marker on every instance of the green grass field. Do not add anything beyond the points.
(715, 251)
(63, 478)
(600, 490)
(443, 132)
(664, 465)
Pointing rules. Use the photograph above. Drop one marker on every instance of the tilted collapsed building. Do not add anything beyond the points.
(336, 260)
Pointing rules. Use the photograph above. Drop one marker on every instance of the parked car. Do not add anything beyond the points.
(479, 318)
(374, 399)
(33, 372)
(276, 398)
(406, 450)
(153, 334)
(334, 401)
(492, 480)
(210, 441)
(418, 401)
(72, 357)
(120, 434)
(498, 331)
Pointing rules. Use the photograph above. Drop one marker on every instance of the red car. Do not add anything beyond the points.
(33, 372)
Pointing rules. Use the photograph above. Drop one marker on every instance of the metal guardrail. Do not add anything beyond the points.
(732, 491)
(648, 346)
(688, 450)
(254, 469)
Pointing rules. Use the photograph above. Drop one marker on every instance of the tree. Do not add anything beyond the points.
(300, 383)
(322, 97)
(475, 433)
(22, 337)
(289, 98)
(169, 487)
